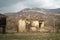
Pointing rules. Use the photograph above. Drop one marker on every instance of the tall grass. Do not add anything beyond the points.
(30, 36)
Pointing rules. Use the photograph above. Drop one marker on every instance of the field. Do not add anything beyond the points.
(30, 36)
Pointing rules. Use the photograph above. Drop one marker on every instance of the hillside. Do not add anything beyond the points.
(35, 13)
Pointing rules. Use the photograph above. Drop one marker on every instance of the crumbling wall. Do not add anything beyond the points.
(42, 25)
(35, 23)
(21, 25)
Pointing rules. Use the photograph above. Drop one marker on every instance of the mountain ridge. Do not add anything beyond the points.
(41, 10)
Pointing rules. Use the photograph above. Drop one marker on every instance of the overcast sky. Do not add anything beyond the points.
(17, 5)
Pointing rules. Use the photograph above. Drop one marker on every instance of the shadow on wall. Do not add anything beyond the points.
(2, 24)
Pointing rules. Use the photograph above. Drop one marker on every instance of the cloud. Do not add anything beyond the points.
(14, 8)
(49, 4)
(19, 5)
(5, 3)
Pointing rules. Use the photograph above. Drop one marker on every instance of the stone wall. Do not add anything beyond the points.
(21, 25)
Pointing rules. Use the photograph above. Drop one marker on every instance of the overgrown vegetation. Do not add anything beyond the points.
(30, 36)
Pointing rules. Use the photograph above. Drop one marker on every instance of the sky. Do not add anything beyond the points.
(17, 5)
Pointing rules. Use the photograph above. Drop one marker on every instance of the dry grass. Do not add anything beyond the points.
(30, 36)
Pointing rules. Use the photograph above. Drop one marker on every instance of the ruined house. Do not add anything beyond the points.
(25, 25)
(30, 21)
